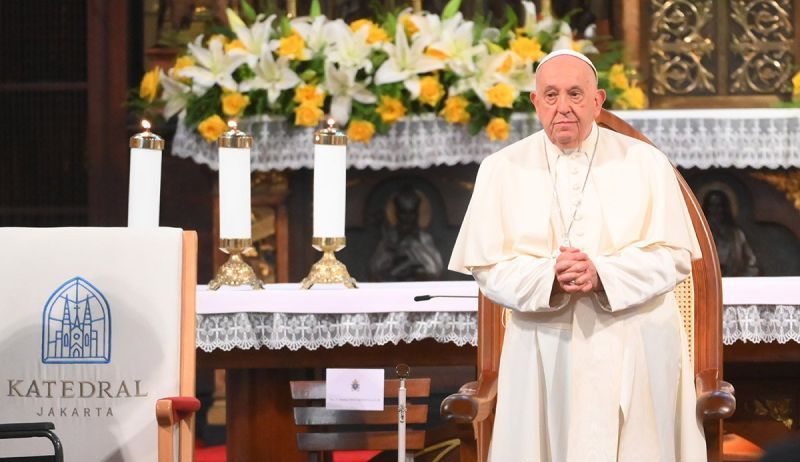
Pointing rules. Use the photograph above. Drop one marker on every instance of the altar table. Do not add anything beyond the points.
(266, 338)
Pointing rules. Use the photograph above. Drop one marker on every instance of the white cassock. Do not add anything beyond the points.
(586, 377)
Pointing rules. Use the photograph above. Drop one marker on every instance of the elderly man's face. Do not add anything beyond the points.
(567, 100)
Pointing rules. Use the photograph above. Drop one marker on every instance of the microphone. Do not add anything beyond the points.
(425, 298)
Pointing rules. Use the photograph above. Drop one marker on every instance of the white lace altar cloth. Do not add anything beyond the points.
(703, 138)
(775, 318)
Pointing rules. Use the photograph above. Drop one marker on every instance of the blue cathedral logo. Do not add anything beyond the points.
(76, 327)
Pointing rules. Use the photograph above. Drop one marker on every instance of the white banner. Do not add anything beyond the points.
(89, 337)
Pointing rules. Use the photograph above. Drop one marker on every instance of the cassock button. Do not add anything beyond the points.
(579, 232)
(576, 186)
(574, 170)
(579, 217)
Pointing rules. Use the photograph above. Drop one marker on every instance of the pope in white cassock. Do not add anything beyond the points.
(584, 234)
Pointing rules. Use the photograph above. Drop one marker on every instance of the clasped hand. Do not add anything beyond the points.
(575, 271)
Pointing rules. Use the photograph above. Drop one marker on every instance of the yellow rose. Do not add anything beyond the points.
(632, 98)
(376, 33)
(497, 129)
(212, 128)
(309, 94)
(234, 103)
(501, 95)
(617, 78)
(292, 46)
(436, 53)
(409, 25)
(235, 45)
(506, 66)
(181, 63)
(796, 86)
(390, 109)
(527, 48)
(360, 130)
(307, 115)
(430, 90)
(455, 110)
(148, 89)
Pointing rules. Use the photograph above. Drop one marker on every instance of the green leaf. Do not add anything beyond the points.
(451, 9)
(511, 21)
(248, 12)
(316, 10)
(286, 27)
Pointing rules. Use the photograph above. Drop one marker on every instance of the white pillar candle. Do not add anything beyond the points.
(144, 188)
(234, 184)
(330, 167)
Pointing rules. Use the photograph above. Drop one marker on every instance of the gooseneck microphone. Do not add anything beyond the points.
(425, 298)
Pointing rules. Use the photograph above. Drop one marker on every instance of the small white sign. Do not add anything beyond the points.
(354, 389)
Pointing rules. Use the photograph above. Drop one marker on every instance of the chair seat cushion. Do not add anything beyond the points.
(354, 456)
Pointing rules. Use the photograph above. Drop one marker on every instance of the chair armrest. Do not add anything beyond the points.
(474, 401)
(173, 409)
(715, 397)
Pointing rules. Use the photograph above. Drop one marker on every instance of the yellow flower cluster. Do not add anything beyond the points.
(455, 110)
(212, 128)
(501, 95)
(148, 88)
(431, 90)
(310, 99)
(376, 33)
(293, 46)
(497, 129)
(390, 109)
(180, 64)
(360, 130)
(617, 77)
(631, 98)
(796, 87)
(527, 48)
(234, 103)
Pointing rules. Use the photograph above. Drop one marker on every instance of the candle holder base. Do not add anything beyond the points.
(235, 271)
(328, 270)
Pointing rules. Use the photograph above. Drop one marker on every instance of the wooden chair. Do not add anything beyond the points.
(700, 302)
(178, 412)
(340, 430)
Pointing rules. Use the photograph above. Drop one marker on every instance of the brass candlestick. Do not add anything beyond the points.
(235, 272)
(328, 270)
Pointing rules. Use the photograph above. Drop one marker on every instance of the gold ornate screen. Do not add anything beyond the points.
(706, 53)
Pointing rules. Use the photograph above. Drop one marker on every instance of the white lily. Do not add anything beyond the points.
(405, 63)
(175, 94)
(316, 32)
(530, 24)
(457, 43)
(272, 76)
(340, 83)
(213, 66)
(485, 76)
(431, 27)
(350, 49)
(255, 38)
(521, 75)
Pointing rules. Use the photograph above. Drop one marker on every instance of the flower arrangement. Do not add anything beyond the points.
(368, 74)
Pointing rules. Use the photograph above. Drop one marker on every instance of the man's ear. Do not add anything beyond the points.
(533, 98)
(599, 98)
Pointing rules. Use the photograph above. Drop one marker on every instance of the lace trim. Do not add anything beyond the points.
(735, 138)
(312, 331)
(760, 323)
(746, 323)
